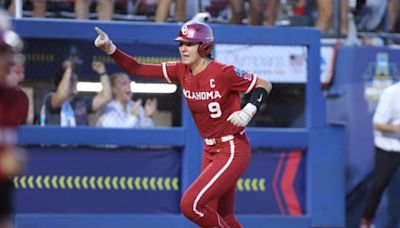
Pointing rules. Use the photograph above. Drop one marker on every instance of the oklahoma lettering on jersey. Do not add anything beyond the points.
(212, 95)
(201, 95)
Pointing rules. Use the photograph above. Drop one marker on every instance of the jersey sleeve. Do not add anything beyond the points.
(171, 71)
(133, 67)
(239, 80)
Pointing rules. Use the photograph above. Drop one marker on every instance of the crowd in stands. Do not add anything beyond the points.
(320, 13)
(113, 104)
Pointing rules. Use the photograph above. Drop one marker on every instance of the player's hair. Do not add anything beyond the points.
(198, 32)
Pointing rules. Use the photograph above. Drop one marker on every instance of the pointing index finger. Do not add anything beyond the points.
(100, 32)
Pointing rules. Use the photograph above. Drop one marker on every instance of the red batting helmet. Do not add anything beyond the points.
(198, 32)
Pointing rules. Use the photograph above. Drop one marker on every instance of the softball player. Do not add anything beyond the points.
(212, 91)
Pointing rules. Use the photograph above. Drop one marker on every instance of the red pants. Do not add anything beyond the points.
(209, 201)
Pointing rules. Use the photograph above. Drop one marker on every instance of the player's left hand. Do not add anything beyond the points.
(242, 118)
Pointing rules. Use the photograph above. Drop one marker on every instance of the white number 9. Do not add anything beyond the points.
(215, 109)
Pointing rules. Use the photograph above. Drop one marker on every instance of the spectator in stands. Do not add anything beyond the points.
(300, 8)
(13, 111)
(218, 9)
(371, 14)
(255, 12)
(64, 107)
(163, 9)
(386, 123)
(393, 12)
(39, 8)
(16, 75)
(122, 112)
(105, 9)
(271, 12)
(344, 19)
(325, 13)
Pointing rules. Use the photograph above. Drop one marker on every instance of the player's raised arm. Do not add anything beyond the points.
(127, 62)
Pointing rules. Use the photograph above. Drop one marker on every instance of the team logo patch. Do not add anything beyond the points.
(184, 30)
(243, 74)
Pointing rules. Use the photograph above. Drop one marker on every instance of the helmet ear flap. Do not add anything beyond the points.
(205, 49)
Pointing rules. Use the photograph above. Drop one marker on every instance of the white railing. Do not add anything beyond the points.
(18, 8)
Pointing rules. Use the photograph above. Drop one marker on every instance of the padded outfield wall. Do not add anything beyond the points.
(74, 178)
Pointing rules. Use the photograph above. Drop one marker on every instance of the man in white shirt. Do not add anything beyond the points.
(386, 124)
(122, 112)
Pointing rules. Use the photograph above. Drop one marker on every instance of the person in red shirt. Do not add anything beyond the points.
(13, 112)
(212, 92)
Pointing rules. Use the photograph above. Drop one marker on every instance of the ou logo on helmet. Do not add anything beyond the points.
(184, 30)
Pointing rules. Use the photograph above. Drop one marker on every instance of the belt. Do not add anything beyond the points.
(226, 138)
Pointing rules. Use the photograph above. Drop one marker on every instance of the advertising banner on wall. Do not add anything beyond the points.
(279, 64)
(88, 180)
(380, 72)
(283, 64)
(274, 183)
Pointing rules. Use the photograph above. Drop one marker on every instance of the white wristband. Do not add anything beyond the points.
(250, 109)
(111, 49)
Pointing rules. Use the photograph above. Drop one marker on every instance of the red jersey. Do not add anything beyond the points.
(212, 95)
